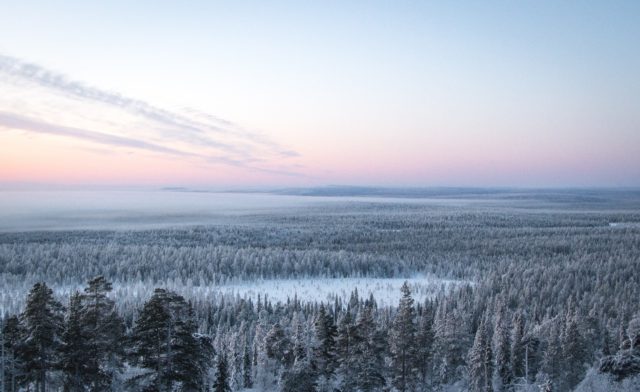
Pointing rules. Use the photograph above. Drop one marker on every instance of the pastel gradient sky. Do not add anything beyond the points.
(260, 93)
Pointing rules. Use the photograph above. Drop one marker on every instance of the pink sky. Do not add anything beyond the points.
(297, 95)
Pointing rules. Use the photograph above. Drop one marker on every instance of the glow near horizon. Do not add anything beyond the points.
(402, 93)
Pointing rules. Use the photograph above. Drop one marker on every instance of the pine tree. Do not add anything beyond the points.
(299, 341)
(300, 378)
(278, 346)
(222, 376)
(346, 349)
(12, 366)
(42, 322)
(402, 343)
(531, 348)
(503, 376)
(451, 342)
(480, 360)
(74, 354)
(324, 356)
(552, 357)
(103, 331)
(369, 352)
(518, 349)
(425, 337)
(263, 378)
(164, 343)
(192, 356)
(247, 379)
(573, 353)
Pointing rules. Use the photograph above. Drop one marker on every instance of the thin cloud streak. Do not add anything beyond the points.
(13, 121)
(186, 128)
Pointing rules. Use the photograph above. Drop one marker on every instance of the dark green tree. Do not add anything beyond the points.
(346, 352)
(278, 346)
(573, 353)
(402, 343)
(425, 337)
(11, 342)
(518, 348)
(324, 356)
(74, 353)
(164, 343)
(502, 349)
(247, 378)
(369, 352)
(103, 331)
(43, 324)
(222, 376)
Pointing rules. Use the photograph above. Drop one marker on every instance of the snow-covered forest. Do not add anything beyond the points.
(516, 293)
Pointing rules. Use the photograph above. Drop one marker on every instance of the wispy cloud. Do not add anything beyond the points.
(199, 132)
(14, 121)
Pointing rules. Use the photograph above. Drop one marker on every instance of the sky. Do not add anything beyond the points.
(305, 93)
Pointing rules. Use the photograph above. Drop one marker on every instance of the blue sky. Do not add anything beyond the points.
(387, 93)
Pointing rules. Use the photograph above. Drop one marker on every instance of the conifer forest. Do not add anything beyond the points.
(533, 292)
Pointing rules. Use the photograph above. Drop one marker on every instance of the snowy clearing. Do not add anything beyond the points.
(385, 291)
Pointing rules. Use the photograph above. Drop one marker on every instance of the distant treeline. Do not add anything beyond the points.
(554, 299)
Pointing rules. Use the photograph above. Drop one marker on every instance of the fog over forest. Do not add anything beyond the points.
(323, 289)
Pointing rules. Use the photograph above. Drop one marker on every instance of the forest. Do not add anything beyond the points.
(547, 299)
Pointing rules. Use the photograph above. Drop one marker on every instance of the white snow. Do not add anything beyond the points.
(385, 291)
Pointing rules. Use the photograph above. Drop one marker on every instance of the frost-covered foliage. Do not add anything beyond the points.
(601, 382)
(540, 295)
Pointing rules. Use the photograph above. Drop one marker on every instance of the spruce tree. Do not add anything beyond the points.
(503, 376)
(552, 361)
(299, 342)
(247, 378)
(451, 342)
(191, 355)
(43, 323)
(103, 331)
(346, 352)
(518, 348)
(164, 343)
(573, 353)
(300, 378)
(480, 360)
(324, 356)
(425, 337)
(531, 348)
(222, 376)
(369, 352)
(278, 346)
(402, 343)
(12, 366)
(75, 354)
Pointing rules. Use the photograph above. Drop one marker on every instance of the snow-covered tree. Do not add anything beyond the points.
(324, 354)
(573, 353)
(42, 323)
(11, 363)
(74, 358)
(481, 361)
(402, 343)
(503, 376)
(221, 383)
(164, 343)
(102, 330)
